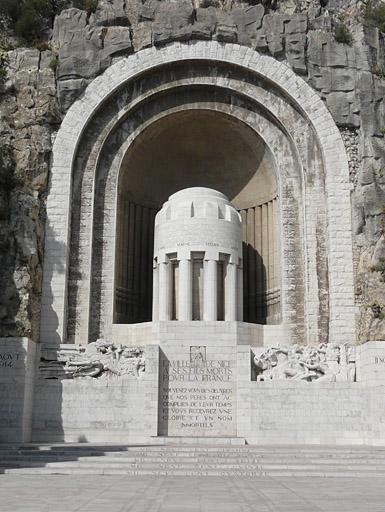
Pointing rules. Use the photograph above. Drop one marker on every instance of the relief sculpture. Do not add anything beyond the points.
(100, 359)
(324, 363)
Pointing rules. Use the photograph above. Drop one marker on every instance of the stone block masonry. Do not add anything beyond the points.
(346, 78)
(18, 357)
(209, 390)
(334, 162)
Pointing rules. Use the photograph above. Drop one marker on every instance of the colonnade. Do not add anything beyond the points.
(135, 287)
(220, 286)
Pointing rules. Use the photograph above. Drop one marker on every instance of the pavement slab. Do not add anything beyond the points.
(90, 493)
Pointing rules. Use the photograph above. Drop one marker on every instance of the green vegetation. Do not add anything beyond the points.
(380, 268)
(3, 68)
(30, 18)
(54, 64)
(374, 14)
(9, 177)
(379, 71)
(342, 34)
(382, 130)
(86, 5)
(377, 309)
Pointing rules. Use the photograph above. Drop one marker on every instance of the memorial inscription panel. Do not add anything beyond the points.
(197, 396)
(10, 359)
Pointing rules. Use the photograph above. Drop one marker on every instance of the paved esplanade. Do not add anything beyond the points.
(61, 493)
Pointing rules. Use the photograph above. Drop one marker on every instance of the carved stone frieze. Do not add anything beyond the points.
(100, 359)
(323, 363)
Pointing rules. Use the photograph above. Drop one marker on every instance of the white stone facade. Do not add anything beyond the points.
(197, 258)
(327, 204)
(129, 408)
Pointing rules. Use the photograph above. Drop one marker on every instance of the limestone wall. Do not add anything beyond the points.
(17, 376)
(100, 411)
(347, 78)
(89, 410)
(278, 412)
(306, 413)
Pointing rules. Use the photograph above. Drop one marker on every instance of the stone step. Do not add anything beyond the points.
(325, 472)
(61, 451)
(202, 441)
(146, 464)
(197, 454)
(212, 458)
(193, 456)
(194, 464)
(192, 460)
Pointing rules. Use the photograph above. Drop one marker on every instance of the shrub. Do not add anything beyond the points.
(342, 34)
(379, 71)
(86, 5)
(377, 309)
(374, 14)
(3, 68)
(10, 8)
(54, 64)
(3, 75)
(30, 18)
(91, 5)
(9, 177)
(35, 16)
(380, 268)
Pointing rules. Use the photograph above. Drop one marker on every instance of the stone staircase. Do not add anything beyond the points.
(197, 460)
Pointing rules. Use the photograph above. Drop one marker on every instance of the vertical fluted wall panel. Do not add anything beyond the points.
(133, 297)
(261, 263)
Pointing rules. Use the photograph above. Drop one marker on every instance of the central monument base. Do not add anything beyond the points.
(208, 389)
(197, 391)
(201, 369)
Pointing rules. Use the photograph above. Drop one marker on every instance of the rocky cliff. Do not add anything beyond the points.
(330, 45)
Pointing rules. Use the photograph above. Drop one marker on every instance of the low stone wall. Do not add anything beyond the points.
(216, 383)
(371, 362)
(307, 413)
(17, 370)
(280, 413)
(90, 410)
(98, 395)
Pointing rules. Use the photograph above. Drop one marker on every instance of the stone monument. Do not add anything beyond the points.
(198, 256)
(257, 317)
(197, 370)
(198, 280)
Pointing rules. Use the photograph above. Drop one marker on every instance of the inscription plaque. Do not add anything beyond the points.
(11, 360)
(197, 396)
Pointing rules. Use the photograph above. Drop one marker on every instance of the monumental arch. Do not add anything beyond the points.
(190, 115)
(198, 270)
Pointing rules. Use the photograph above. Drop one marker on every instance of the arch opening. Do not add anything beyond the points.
(197, 148)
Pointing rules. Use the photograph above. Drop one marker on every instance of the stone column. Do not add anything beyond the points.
(184, 306)
(231, 292)
(155, 293)
(164, 291)
(210, 295)
(240, 294)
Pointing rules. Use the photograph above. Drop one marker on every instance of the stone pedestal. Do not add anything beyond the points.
(17, 372)
(197, 390)
(371, 363)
